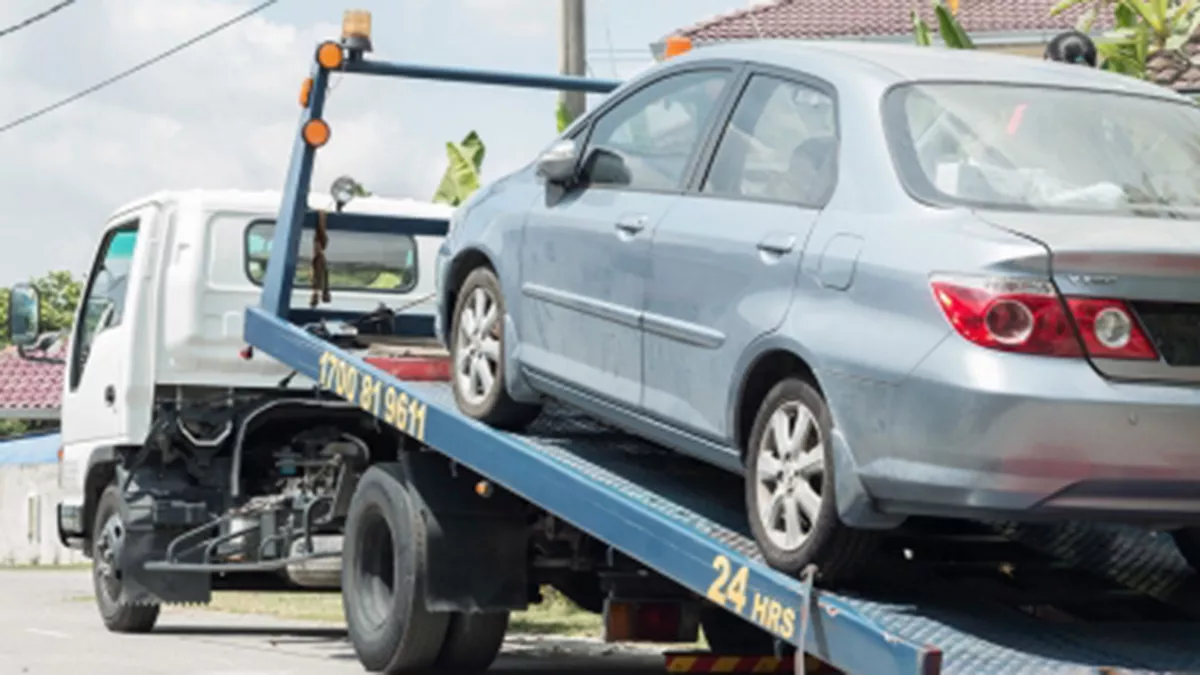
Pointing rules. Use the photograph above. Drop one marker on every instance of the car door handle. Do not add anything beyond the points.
(777, 245)
(632, 224)
(110, 395)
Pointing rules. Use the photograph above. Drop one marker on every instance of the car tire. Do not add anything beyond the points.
(803, 482)
(108, 535)
(383, 577)
(1187, 541)
(477, 355)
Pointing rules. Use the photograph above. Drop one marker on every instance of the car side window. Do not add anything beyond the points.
(103, 305)
(646, 141)
(780, 144)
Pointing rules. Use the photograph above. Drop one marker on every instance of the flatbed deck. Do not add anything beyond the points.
(680, 518)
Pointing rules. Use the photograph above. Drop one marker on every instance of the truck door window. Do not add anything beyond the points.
(103, 304)
(357, 261)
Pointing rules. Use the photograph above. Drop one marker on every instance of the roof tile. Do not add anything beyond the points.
(29, 385)
(844, 18)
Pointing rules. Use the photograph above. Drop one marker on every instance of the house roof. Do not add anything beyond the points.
(814, 19)
(29, 389)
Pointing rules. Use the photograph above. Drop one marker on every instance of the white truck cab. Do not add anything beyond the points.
(162, 314)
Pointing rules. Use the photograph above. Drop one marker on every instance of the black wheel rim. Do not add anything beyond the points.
(376, 567)
(106, 557)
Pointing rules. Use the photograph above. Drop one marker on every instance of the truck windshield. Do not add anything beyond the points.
(357, 261)
(1036, 148)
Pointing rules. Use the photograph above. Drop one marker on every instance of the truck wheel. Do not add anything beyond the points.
(472, 642)
(477, 353)
(789, 487)
(383, 577)
(1187, 540)
(108, 538)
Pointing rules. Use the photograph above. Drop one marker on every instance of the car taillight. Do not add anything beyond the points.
(1015, 315)
(1109, 330)
(1029, 317)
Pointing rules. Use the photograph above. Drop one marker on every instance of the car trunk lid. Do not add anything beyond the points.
(1150, 263)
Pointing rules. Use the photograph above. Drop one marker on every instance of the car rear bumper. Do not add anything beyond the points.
(978, 432)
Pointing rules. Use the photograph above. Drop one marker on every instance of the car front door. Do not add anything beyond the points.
(585, 253)
(725, 260)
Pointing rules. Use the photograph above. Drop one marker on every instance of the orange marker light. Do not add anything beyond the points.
(676, 45)
(305, 91)
(330, 55)
(316, 133)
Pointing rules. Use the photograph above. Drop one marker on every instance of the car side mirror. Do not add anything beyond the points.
(560, 163)
(605, 167)
(24, 315)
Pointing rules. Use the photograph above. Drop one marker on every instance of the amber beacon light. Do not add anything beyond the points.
(356, 30)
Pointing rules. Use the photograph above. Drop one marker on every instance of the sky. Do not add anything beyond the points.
(222, 113)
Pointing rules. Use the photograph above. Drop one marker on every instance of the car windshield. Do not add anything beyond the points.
(1037, 148)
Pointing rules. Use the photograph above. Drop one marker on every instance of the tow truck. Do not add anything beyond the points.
(448, 526)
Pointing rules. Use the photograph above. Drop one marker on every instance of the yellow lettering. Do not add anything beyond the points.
(368, 397)
(401, 421)
(389, 406)
(737, 588)
(716, 592)
(759, 612)
(773, 614)
(789, 624)
(416, 419)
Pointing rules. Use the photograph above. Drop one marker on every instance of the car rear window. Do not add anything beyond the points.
(357, 261)
(1038, 148)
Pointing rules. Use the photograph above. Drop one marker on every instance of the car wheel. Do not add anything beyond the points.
(789, 487)
(108, 539)
(477, 352)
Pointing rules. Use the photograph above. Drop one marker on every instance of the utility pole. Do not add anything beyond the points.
(572, 53)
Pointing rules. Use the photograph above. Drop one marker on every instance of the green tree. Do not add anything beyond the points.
(1148, 37)
(462, 174)
(949, 29)
(562, 116)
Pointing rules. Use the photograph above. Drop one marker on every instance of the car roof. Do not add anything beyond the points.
(894, 63)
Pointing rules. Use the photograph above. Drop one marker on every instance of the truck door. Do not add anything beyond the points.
(101, 398)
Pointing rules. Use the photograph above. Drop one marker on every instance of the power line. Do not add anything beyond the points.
(139, 67)
(36, 18)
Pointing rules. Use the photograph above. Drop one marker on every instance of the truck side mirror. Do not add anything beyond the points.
(24, 315)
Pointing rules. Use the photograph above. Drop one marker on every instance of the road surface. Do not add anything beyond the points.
(48, 626)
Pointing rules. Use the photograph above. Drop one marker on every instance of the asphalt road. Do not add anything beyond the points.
(48, 628)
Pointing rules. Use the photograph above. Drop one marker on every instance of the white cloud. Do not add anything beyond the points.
(220, 114)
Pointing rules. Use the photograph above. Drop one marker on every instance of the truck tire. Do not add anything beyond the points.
(472, 642)
(475, 348)
(108, 536)
(805, 529)
(383, 577)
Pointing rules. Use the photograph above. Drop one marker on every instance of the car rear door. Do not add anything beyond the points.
(585, 252)
(724, 261)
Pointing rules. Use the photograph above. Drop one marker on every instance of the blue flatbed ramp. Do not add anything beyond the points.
(686, 522)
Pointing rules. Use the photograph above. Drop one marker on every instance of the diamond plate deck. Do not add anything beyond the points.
(976, 637)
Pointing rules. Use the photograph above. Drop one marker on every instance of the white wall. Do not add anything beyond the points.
(29, 495)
